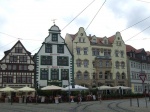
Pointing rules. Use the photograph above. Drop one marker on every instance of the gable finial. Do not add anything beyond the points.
(54, 20)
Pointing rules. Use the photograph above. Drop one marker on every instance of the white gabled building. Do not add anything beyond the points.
(54, 61)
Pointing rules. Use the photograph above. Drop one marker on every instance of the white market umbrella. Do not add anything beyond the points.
(52, 87)
(122, 87)
(77, 88)
(26, 89)
(7, 89)
(105, 88)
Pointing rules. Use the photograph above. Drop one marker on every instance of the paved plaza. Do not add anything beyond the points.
(92, 106)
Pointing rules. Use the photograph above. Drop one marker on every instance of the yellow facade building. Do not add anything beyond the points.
(96, 61)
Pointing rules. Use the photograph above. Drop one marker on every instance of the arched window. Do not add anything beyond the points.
(117, 53)
(122, 64)
(79, 75)
(123, 75)
(86, 75)
(117, 64)
(117, 75)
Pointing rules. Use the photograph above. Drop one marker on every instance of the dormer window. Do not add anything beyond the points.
(54, 37)
(94, 40)
(105, 41)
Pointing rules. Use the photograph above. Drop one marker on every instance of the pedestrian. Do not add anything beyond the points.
(100, 98)
(78, 99)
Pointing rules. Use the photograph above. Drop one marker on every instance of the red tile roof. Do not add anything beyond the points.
(130, 48)
(139, 50)
(111, 39)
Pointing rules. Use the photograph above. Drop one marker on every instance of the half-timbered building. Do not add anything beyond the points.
(17, 68)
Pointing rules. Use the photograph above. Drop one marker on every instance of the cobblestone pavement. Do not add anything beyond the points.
(93, 106)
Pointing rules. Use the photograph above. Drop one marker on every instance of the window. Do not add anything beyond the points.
(106, 74)
(78, 63)
(117, 53)
(85, 50)
(18, 49)
(122, 54)
(14, 67)
(100, 63)
(64, 74)
(60, 48)
(95, 52)
(94, 76)
(11, 67)
(22, 58)
(7, 79)
(13, 59)
(29, 79)
(118, 43)
(48, 48)
(24, 79)
(23, 67)
(83, 39)
(62, 61)
(85, 63)
(105, 41)
(54, 74)
(18, 80)
(100, 75)
(123, 75)
(86, 75)
(117, 64)
(44, 74)
(78, 51)
(122, 64)
(107, 63)
(79, 39)
(110, 75)
(107, 52)
(131, 64)
(79, 75)
(46, 60)
(54, 37)
(94, 40)
(118, 75)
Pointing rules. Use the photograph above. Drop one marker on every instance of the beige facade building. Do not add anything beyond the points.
(98, 60)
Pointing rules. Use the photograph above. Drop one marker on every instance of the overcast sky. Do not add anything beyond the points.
(31, 19)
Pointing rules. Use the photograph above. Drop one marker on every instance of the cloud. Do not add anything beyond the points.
(132, 12)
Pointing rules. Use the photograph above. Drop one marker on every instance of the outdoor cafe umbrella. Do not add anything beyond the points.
(8, 89)
(122, 87)
(76, 88)
(105, 88)
(51, 87)
(26, 89)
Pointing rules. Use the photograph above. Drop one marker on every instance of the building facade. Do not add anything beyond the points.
(17, 68)
(138, 63)
(54, 61)
(95, 61)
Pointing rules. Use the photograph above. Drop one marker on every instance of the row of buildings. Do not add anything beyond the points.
(78, 59)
